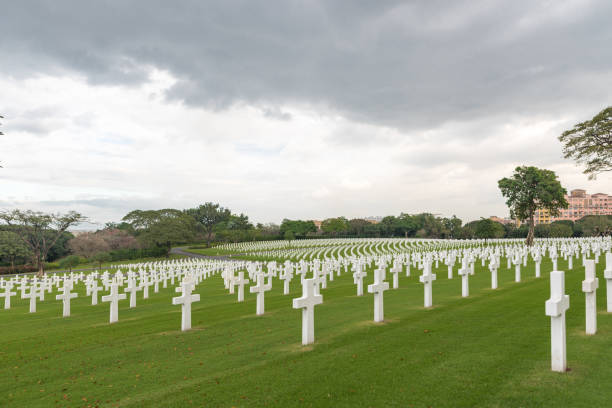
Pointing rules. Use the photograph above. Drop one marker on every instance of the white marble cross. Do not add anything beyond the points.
(240, 282)
(65, 297)
(7, 294)
(114, 297)
(145, 282)
(555, 308)
(185, 300)
(538, 263)
(450, 263)
(231, 280)
(378, 288)
(465, 284)
(408, 265)
(260, 289)
(93, 290)
(553, 256)
(397, 268)
(426, 279)
(493, 267)
(608, 277)
(358, 276)
(132, 288)
(589, 287)
(32, 296)
(307, 303)
(286, 277)
(517, 267)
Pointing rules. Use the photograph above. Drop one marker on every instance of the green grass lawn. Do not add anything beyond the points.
(488, 350)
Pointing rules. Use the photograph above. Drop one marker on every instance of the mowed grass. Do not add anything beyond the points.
(488, 350)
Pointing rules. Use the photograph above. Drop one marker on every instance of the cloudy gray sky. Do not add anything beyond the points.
(296, 109)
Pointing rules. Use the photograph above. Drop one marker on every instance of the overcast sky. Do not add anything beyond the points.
(293, 109)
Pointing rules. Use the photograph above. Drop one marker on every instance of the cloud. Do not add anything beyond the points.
(395, 64)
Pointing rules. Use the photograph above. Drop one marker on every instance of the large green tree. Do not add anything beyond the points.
(529, 189)
(209, 215)
(298, 228)
(487, 228)
(40, 231)
(161, 228)
(13, 249)
(335, 226)
(590, 143)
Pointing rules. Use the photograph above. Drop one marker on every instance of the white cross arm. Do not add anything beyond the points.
(302, 302)
(590, 285)
(556, 307)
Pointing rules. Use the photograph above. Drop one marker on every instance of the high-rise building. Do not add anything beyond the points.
(580, 205)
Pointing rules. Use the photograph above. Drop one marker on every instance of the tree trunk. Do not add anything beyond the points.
(208, 238)
(41, 267)
(530, 234)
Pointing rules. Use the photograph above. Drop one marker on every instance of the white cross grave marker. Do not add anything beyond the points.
(260, 289)
(132, 288)
(32, 296)
(465, 284)
(114, 297)
(358, 276)
(7, 295)
(307, 303)
(65, 297)
(589, 287)
(427, 278)
(240, 281)
(378, 288)
(608, 277)
(397, 268)
(185, 300)
(555, 308)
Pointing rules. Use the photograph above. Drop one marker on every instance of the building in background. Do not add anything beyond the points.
(580, 204)
(502, 220)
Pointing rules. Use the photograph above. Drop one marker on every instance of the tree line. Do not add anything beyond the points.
(35, 238)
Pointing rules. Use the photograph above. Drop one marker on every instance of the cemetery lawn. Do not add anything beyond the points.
(488, 350)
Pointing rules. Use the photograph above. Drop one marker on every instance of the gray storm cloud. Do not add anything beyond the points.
(399, 64)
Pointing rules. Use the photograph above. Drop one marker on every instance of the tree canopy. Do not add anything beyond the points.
(161, 228)
(13, 249)
(208, 215)
(40, 231)
(529, 189)
(590, 143)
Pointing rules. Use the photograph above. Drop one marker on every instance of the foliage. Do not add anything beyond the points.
(70, 262)
(101, 257)
(487, 228)
(9, 270)
(209, 215)
(594, 225)
(530, 189)
(89, 243)
(297, 227)
(590, 143)
(335, 226)
(161, 228)
(40, 231)
(12, 249)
